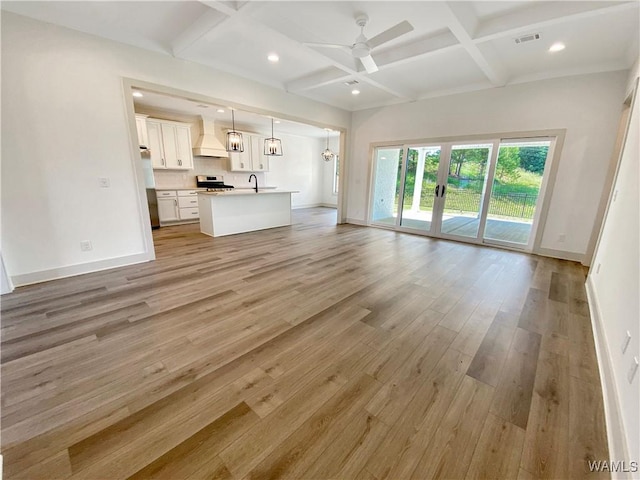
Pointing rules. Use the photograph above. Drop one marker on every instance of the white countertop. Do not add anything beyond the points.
(248, 192)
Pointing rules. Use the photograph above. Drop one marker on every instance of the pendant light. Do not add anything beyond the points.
(328, 155)
(234, 139)
(272, 146)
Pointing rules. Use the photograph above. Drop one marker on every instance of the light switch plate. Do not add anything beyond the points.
(104, 182)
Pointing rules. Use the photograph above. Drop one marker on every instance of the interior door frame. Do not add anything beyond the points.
(544, 198)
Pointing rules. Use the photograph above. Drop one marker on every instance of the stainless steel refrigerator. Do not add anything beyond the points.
(150, 185)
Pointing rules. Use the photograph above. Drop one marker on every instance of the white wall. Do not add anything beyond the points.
(300, 168)
(65, 125)
(614, 295)
(588, 107)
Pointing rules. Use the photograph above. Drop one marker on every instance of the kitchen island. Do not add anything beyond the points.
(239, 211)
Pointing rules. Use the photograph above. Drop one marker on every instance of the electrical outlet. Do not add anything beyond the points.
(625, 342)
(104, 182)
(633, 370)
(561, 238)
(86, 246)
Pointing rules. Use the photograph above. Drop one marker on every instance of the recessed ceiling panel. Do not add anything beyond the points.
(486, 10)
(242, 48)
(334, 22)
(339, 95)
(150, 25)
(437, 72)
(598, 39)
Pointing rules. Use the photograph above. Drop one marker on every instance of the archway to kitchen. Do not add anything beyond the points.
(179, 147)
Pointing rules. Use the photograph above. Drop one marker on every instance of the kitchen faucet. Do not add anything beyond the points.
(256, 178)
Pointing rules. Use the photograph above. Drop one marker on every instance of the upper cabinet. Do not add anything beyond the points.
(141, 128)
(169, 145)
(253, 158)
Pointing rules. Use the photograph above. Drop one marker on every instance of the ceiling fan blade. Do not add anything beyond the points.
(346, 48)
(369, 64)
(390, 34)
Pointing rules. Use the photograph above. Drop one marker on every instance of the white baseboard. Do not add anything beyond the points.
(313, 205)
(616, 437)
(79, 269)
(355, 221)
(561, 254)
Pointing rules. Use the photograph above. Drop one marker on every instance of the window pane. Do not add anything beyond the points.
(515, 190)
(386, 187)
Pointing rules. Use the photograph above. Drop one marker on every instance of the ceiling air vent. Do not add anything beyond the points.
(351, 82)
(528, 38)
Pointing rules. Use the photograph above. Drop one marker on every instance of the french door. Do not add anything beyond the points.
(479, 192)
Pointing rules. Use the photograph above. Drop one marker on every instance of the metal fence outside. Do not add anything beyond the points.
(461, 200)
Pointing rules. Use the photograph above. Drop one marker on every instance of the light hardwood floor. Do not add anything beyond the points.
(313, 351)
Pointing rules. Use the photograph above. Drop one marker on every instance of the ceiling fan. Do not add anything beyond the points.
(362, 47)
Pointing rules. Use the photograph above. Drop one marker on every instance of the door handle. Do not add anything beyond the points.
(437, 190)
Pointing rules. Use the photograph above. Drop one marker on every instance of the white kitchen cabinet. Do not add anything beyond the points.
(241, 161)
(177, 206)
(170, 145)
(253, 158)
(141, 129)
(156, 152)
(259, 161)
(168, 210)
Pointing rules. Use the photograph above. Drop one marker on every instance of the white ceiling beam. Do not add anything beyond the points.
(611, 66)
(542, 14)
(198, 29)
(218, 13)
(462, 23)
(415, 50)
(228, 8)
(317, 79)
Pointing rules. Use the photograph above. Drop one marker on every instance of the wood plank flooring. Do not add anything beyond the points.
(312, 351)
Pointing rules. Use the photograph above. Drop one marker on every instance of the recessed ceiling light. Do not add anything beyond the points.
(355, 92)
(273, 57)
(220, 110)
(137, 94)
(556, 47)
(276, 121)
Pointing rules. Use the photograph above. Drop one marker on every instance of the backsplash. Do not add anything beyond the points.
(204, 166)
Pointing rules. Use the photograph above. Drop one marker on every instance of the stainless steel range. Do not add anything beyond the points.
(212, 183)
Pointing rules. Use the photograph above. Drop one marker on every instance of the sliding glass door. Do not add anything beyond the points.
(464, 189)
(482, 192)
(386, 186)
(517, 182)
(420, 182)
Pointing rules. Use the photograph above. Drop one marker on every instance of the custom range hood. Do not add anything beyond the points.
(208, 144)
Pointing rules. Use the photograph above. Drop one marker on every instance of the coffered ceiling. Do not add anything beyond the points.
(453, 47)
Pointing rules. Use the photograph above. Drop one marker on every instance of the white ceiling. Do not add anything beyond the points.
(454, 46)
